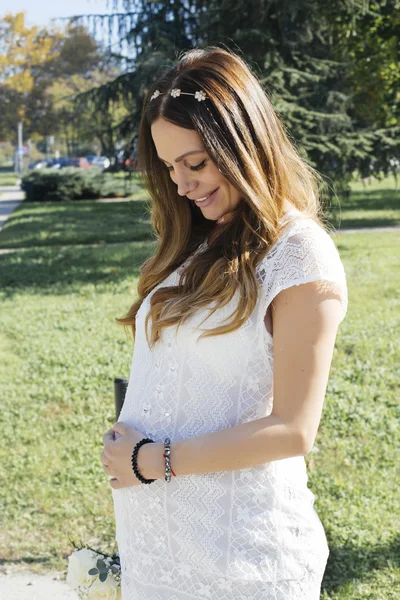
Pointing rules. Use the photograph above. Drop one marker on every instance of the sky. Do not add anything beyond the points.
(40, 12)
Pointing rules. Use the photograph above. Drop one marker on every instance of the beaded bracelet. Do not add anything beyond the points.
(134, 460)
(167, 453)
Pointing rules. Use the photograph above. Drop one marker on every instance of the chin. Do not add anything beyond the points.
(211, 217)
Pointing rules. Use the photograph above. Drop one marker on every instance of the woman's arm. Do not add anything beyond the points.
(245, 445)
(305, 323)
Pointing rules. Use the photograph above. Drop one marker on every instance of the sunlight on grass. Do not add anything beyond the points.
(61, 349)
(370, 204)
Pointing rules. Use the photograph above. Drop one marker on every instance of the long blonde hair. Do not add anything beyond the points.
(245, 139)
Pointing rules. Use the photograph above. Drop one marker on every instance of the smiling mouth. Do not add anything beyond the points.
(204, 197)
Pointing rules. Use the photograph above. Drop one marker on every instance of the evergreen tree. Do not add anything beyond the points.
(298, 48)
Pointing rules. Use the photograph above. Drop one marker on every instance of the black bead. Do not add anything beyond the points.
(134, 460)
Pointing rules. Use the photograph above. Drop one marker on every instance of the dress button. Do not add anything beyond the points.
(158, 363)
(169, 344)
(166, 414)
(172, 368)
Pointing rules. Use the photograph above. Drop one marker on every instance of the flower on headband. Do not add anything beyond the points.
(155, 95)
(200, 96)
(175, 92)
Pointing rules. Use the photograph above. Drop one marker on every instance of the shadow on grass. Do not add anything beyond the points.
(78, 222)
(349, 562)
(377, 199)
(26, 560)
(56, 271)
(343, 221)
(372, 208)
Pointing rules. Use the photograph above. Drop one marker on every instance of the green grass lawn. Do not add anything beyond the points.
(88, 221)
(8, 178)
(374, 204)
(70, 223)
(61, 349)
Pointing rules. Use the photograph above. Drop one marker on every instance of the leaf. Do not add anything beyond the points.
(93, 571)
(103, 576)
(101, 565)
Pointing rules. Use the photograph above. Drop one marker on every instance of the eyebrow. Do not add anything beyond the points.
(183, 155)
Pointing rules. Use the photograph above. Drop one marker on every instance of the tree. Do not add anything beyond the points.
(297, 47)
(369, 47)
(24, 51)
(41, 72)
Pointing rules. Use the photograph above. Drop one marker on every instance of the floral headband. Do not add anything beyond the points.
(175, 92)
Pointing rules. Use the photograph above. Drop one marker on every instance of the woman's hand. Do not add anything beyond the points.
(117, 455)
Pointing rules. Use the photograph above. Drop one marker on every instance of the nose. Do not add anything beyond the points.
(185, 183)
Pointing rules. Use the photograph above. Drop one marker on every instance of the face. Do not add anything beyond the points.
(182, 153)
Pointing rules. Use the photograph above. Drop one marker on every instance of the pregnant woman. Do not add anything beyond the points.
(234, 326)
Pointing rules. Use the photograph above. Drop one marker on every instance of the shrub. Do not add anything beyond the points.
(73, 184)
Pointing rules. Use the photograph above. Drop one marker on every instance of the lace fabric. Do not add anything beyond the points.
(251, 533)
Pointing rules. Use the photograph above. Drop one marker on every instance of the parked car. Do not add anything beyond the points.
(65, 161)
(102, 162)
(39, 164)
(80, 162)
(56, 163)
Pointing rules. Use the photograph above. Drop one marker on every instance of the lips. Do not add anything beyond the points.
(208, 201)
(204, 195)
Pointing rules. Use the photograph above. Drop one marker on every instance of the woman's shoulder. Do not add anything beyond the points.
(300, 229)
(303, 249)
(304, 252)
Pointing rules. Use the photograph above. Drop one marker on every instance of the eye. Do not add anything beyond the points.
(200, 166)
(194, 168)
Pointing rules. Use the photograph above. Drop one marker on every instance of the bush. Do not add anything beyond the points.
(73, 184)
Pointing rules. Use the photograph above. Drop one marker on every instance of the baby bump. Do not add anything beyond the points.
(140, 518)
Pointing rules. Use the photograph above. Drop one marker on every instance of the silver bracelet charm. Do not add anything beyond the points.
(167, 452)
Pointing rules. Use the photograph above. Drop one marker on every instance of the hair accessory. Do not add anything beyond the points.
(134, 460)
(176, 92)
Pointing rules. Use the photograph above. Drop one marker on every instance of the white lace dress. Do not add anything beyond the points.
(251, 533)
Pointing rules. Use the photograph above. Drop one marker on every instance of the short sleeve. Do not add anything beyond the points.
(305, 252)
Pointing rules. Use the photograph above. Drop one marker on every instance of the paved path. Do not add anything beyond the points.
(365, 229)
(32, 586)
(10, 197)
